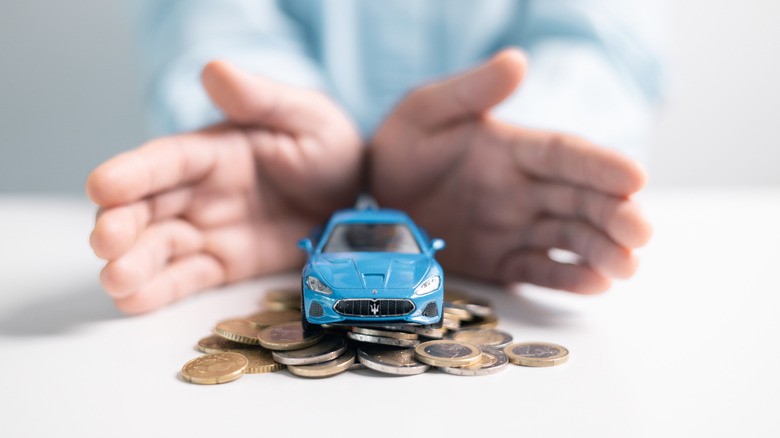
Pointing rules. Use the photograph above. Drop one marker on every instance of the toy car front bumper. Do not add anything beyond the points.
(373, 306)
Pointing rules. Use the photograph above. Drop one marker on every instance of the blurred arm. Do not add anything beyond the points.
(592, 71)
(179, 37)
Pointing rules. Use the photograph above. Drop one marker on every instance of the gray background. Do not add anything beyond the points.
(70, 95)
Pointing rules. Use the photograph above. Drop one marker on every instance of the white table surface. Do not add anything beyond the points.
(688, 347)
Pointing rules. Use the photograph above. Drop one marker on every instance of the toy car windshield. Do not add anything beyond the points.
(371, 237)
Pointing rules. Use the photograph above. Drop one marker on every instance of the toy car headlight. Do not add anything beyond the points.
(316, 285)
(428, 286)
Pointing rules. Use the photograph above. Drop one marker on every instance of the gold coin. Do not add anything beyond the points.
(288, 336)
(325, 369)
(238, 330)
(214, 368)
(489, 321)
(277, 306)
(536, 354)
(268, 318)
(448, 353)
(383, 333)
(457, 313)
(260, 361)
(283, 299)
(218, 344)
(483, 337)
(450, 323)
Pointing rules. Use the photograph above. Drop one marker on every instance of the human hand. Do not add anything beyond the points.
(503, 196)
(197, 210)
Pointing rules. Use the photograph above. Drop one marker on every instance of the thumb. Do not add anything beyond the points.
(251, 99)
(468, 94)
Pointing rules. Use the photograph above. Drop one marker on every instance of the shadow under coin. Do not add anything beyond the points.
(60, 313)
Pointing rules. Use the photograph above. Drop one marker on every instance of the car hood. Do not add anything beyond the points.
(372, 270)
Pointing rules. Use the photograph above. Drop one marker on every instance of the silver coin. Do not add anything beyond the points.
(325, 369)
(455, 311)
(492, 361)
(483, 337)
(356, 366)
(420, 330)
(384, 341)
(479, 308)
(383, 333)
(329, 347)
(433, 333)
(389, 360)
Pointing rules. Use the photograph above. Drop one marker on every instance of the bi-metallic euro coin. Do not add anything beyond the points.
(382, 340)
(328, 348)
(492, 361)
(325, 369)
(483, 337)
(536, 354)
(218, 344)
(390, 360)
(288, 336)
(383, 333)
(448, 353)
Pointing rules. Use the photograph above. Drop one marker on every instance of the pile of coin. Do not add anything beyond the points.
(468, 344)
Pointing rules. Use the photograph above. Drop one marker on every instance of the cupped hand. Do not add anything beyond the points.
(503, 196)
(197, 210)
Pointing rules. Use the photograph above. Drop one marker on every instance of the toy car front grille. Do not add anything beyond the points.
(374, 308)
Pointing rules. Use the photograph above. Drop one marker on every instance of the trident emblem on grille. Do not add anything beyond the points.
(374, 307)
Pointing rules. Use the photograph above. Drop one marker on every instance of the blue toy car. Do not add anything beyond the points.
(371, 266)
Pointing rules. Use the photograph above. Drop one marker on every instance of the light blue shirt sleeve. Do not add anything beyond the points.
(179, 37)
(593, 71)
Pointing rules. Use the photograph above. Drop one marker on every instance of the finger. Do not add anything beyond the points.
(251, 99)
(620, 218)
(149, 256)
(535, 267)
(469, 94)
(159, 165)
(598, 251)
(181, 278)
(117, 228)
(571, 159)
(251, 249)
(210, 210)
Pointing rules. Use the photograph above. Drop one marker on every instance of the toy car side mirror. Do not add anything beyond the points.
(437, 245)
(306, 245)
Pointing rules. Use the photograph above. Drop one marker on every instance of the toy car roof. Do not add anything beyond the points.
(370, 215)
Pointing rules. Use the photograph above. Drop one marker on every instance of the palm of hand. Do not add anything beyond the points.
(471, 197)
(265, 191)
(193, 211)
(503, 196)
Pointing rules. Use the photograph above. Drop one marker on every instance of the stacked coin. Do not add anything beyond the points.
(468, 344)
